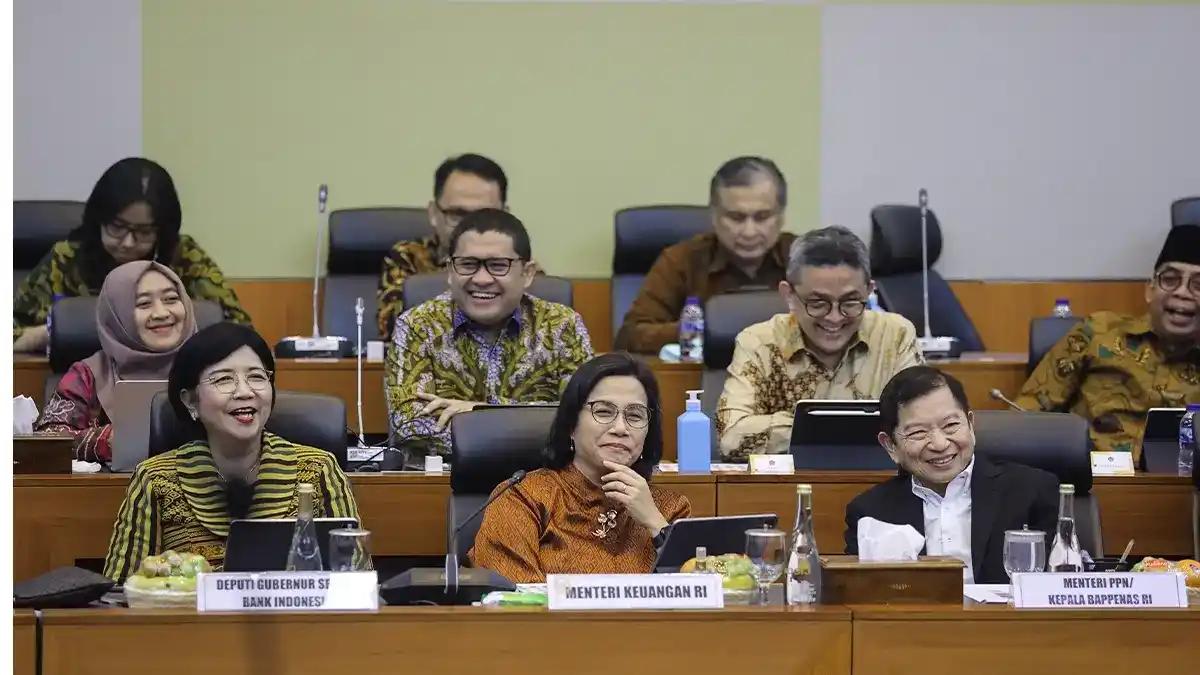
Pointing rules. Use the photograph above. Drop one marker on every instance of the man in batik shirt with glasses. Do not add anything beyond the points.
(828, 346)
(1112, 368)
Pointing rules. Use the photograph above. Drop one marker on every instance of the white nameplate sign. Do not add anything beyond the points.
(767, 464)
(286, 591)
(1112, 464)
(634, 591)
(1101, 590)
(316, 344)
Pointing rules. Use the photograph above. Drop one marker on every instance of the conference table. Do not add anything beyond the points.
(61, 519)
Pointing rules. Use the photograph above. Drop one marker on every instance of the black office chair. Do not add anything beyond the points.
(421, 288)
(486, 447)
(896, 266)
(1054, 442)
(1044, 333)
(640, 234)
(315, 420)
(359, 239)
(37, 226)
(1185, 211)
(725, 316)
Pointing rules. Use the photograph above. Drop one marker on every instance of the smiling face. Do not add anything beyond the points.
(934, 438)
(233, 398)
(485, 295)
(1175, 314)
(159, 312)
(834, 290)
(615, 440)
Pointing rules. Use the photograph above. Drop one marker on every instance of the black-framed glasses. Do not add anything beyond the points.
(118, 229)
(226, 383)
(468, 266)
(819, 307)
(1171, 279)
(637, 416)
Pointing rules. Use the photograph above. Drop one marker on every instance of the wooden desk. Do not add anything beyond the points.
(24, 642)
(1000, 640)
(432, 640)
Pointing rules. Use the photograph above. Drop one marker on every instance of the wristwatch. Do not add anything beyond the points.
(661, 537)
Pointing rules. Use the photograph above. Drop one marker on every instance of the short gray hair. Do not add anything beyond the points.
(828, 247)
(743, 171)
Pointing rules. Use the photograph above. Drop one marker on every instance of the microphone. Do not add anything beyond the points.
(998, 395)
(937, 347)
(358, 353)
(452, 545)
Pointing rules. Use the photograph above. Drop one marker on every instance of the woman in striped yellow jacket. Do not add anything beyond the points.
(222, 381)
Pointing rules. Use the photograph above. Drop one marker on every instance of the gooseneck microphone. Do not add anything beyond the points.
(452, 545)
(998, 395)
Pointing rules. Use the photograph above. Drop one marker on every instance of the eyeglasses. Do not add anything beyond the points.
(637, 416)
(454, 213)
(1171, 279)
(819, 307)
(226, 383)
(118, 229)
(496, 267)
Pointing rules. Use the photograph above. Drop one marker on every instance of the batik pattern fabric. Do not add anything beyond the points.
(74, 408)
(405, 259)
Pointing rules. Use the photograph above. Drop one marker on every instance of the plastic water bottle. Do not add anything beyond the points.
(1062, 308)
(1187, 439)
(873, 301)
(694, 434)
(691, 331)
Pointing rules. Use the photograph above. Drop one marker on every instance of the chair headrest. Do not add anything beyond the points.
(642, 232)
(896, 239)
(315, 420)
(1185, 211)
(1054, 442)
(490, 444)
(38, 224)
(421, 288)
(74, 336)
(728, 314)
(360, 238)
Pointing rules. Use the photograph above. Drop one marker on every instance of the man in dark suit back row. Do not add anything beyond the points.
(960, 501)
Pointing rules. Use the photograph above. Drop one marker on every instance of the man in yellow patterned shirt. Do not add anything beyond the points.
(827, 347)
(1112, 368)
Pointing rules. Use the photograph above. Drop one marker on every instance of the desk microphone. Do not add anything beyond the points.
(931, 346)
(452, 545)
(358, 319)
(998, 395)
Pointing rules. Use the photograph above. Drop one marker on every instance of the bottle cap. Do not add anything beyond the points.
(1066, 489)
(804, 489)
(701, 552)
(304, 487)
(1062, 301)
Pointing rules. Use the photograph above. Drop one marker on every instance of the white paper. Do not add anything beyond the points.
(84, 467)
(881, 542)
(25, 413)
(990, 594)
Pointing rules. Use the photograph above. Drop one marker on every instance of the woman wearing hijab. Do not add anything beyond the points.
(132, 214)
(143, 317)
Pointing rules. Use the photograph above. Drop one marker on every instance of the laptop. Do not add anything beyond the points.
(262, 545)
(718, 534)
(1160, 442)
(839, 435)
(130, 418)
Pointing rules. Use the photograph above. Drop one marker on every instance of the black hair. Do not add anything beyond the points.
(560, 451)
(743, 171)
(494, 220)
(131, 180)
(206, 347)
(827, 247)
(913, 383)
(476, 165)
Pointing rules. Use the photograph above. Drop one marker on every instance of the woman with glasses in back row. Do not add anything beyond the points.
(592, 510)
(132, 214)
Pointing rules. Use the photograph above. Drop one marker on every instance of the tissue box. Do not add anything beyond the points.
(927, 580)
(43, 453)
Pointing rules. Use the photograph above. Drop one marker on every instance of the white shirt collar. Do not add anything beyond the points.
(959, 483)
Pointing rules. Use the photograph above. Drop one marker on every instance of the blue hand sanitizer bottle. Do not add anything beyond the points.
(694, 437)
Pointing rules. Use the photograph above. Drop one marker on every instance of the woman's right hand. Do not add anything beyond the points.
(33, 339)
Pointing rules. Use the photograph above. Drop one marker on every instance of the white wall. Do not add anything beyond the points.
(1051, 139)
(77, 93)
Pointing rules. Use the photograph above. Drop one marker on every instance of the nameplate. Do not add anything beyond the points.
(316, 344)
(1112, 464)
(1100, 590)
(357, 454)
(768, 464)
(287, 591)
(634, 591)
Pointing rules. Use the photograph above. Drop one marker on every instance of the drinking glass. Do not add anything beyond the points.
(350, 550)
(1024, 551)
(767, 550)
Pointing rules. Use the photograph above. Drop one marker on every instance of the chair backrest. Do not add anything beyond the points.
(486, 447)
(640, 234)
(896, 266)
(1044, 333)
(359, 239)
(421, 288)
(74, 336)
(303, 418)
(1054, 442)
(1185, 211)
(38, 224)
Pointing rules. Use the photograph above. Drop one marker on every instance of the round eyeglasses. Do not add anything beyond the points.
(226, 383)
(637, 416)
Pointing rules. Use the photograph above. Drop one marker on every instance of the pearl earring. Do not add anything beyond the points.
(192, 412)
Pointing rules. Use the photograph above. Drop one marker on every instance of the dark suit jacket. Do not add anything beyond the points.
(1004, 496)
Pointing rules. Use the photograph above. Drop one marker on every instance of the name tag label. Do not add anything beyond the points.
(634, 591)
(286, 591)
(1103, 590)
(319, 344)
(772, 464)
(1112, 464)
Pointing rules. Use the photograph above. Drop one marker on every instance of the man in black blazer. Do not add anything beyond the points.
(960, 501)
